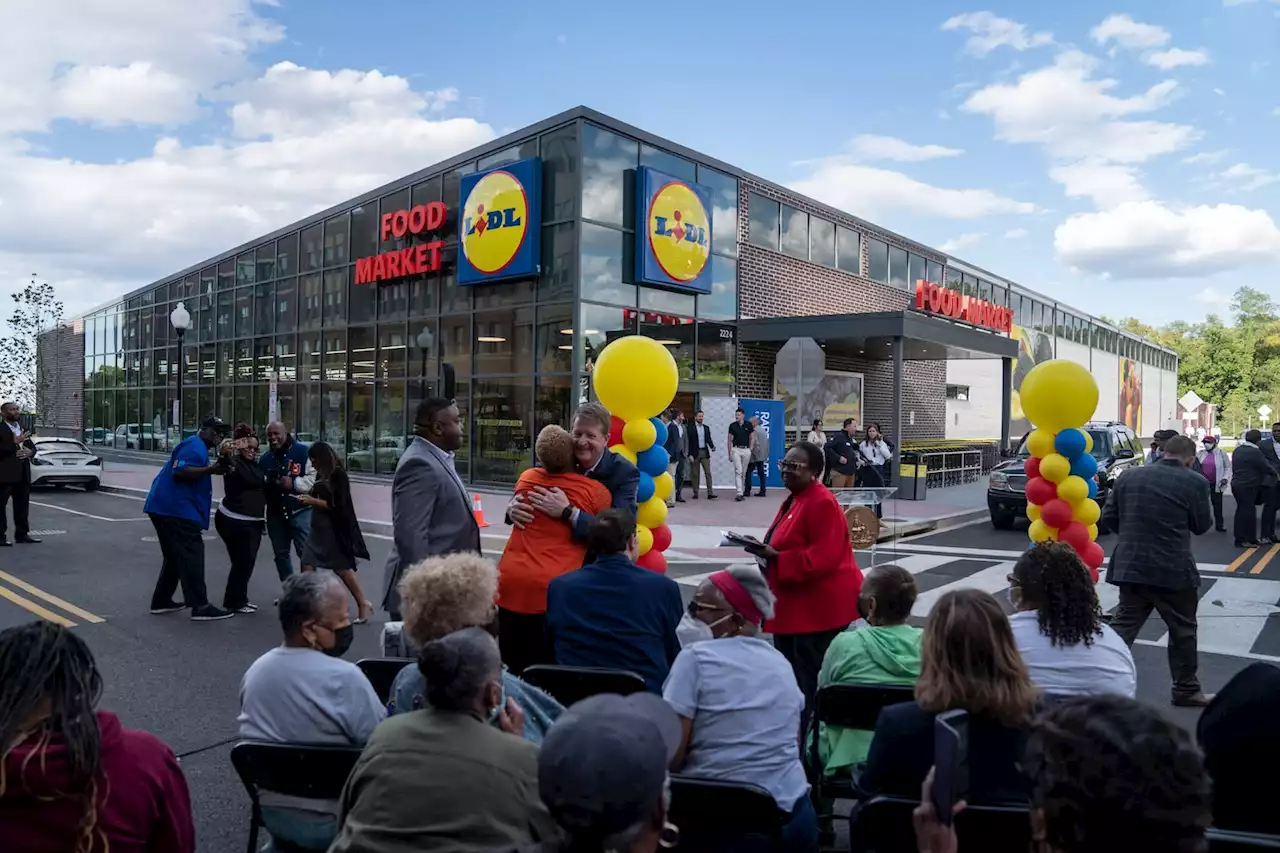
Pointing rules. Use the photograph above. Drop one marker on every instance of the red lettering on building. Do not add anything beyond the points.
(950, 303)
(413, 260)
(415, 220)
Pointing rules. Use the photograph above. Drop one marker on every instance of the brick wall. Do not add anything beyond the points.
(60, 380)
(771, 284)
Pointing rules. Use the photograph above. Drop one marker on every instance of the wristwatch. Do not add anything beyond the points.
(567, 514)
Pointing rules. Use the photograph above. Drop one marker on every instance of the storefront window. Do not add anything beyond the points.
(264, 309)
(392, 435)
(822, 242)
(503, 341)
(559, 152)
(600, 325)
(287, 255)
(362, 299)
(715, 352)
(423, 295)
(243, 312)
(361, 355)
(310, 301)
(244, 269)
(226, 275)
(335, 355)
(307, 412)
(933, 272)
(226, 303)
(309, 357)
(335, 299)
(795, 233)
(423, 342)
(722, 302)
(877, 260)
(552, 403)
(453, 297)
(763, 227)
(607, 257)
(392, 351)
(917, 270)
(503, 293)
(606, 157)
(462, 456)
(364, 229)
(287, 357)
(244, 360)
(360, 427)
(848, 250)
(559, 263)
(724, 209)
(312, 248)
(666, 301)
(242, 407)
(455, 343)
(898, 267)
(264, 359)
(503, 428)
(393, 298)
(676, 334)
(663, 161)
(452, 181)
(333, 416)
(208, 364)
(553, 339)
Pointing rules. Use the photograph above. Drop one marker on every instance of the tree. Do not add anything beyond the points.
(23, 366)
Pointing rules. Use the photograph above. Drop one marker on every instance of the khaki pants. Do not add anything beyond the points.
(741, 458)
(841, 481)
(698, 466)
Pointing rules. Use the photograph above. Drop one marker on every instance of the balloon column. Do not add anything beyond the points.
(1059, 397)
(636, 378)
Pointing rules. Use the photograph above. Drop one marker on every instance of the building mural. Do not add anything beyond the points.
(1034, 347)
(1131, 394)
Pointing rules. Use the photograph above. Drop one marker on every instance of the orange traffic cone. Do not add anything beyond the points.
(477, 509)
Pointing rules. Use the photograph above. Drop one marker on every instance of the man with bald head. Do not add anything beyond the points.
(289, 474)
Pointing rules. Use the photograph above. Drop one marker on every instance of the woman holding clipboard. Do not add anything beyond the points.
(808, 561)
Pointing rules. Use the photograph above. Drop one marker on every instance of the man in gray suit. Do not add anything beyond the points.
(430, 508)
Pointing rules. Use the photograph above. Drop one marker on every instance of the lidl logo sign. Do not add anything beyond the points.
(500, 224)
(674, 244)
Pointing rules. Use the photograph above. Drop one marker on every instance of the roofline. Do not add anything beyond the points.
(565, 117)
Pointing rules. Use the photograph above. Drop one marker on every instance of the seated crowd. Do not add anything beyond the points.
(467, 756)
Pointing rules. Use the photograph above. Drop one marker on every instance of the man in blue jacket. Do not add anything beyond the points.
(179, 502)
(289, 474)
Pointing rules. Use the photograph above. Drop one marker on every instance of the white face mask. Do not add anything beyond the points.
(693, 630)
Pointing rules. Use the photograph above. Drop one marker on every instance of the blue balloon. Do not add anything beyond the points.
(661, 428)
(653, 461)
(1070, 443)
(646, 488)
(1084, 467)
(1093, 488)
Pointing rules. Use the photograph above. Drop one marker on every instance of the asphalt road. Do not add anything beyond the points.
(180, 679)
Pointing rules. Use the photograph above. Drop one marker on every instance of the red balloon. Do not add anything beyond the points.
(654, 561)
(1040, 492)
(615, 430)
(1032, 467)
(1093, 558)
(1056, 513)
(1074, 534)
(661, 537)
(1094, 575)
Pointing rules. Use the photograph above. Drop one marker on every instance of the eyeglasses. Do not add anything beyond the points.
(791, 466)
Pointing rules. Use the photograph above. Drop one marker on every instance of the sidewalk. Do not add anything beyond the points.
(695, 525)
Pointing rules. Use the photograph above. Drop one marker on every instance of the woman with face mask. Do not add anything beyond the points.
(738, 701)
(443, 778)
(303, 692)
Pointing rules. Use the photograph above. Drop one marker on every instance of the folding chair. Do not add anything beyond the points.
(852, 706)
(1229, 841)
(883, 825)
(707, 811)
(570, 684)
(381, 673)
(313, 772)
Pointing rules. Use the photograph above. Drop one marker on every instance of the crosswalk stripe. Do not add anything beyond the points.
(992, 579)
(1232, 613)
(890, 555)
(917, 563)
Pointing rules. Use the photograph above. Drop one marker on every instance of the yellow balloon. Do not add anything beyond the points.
(625, 452)
(1040, 443)
(639, 434)
(1058, 394)
(635, 377)
(1093, 532)
(1033, 512)
(653, 512)
(1073, 490)
(663, 486)
(1086, 512)
(1055, 468)
(1088, 441)
(1041, 532)
(644, 537)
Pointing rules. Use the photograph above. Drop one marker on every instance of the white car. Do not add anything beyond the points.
(65, 462)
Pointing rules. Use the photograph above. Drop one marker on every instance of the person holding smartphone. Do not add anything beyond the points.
(969, 662)
(241, 512)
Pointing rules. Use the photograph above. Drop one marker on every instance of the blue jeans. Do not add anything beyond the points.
(799, 835)
(285, 532)
(308, 830)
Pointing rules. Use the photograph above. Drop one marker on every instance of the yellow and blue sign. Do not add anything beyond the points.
(673, 233)
(499, 223)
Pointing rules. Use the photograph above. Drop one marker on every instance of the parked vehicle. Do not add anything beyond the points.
(1115, 447)
(63, 462)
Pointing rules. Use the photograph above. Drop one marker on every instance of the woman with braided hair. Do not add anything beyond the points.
(72, 779)
(1058, 627)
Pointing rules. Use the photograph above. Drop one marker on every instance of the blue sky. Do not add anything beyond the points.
(1121, 157)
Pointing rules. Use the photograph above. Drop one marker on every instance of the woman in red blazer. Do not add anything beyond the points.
(810, 567)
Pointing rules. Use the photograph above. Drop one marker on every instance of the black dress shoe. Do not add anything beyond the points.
(27, 540)
(5, 543)
(1195, 700)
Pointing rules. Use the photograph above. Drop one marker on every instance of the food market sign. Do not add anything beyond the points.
(968, 309)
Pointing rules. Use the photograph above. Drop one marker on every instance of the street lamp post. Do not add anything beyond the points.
(424, 340)
(180, 318)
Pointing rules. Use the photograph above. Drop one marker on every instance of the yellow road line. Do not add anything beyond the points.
(1236, 563)
(52, 599)
(32, 607)
(1266, 558)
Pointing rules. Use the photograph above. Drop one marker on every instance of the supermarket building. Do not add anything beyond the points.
(515, 263)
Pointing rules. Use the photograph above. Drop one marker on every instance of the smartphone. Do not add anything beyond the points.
(950, 762)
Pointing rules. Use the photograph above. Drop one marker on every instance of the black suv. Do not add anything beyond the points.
(1114, 446)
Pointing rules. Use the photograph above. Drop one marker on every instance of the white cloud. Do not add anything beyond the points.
(1176, 57)
(1248, 177)
(991, 32)
(955, 244)
(1125, 32)
(1214, 300)
(299, 139)
(1148, 239)
(869, 191)
(1107, 184)
(1206, 157)
(1220, 92)
(1015, 233)
(872, 147)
